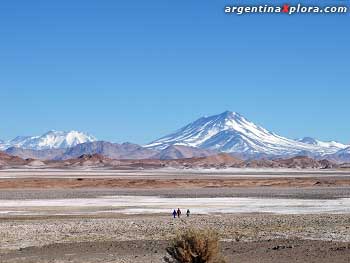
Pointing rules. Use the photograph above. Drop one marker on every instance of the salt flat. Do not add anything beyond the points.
(156, 205)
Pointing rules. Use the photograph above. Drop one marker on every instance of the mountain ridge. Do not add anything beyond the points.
(49, 140)
(228, 132)
(109, 150)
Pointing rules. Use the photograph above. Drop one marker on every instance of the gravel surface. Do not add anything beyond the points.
(275, 251)
(263, 192)
(250, 227)
(247, 238)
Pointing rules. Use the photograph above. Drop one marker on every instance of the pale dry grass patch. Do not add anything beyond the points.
(195, 246)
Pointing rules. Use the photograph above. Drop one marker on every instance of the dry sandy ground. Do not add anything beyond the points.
(159, 179)
(170, 183)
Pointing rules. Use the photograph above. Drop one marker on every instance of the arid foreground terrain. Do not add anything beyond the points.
(101, 215)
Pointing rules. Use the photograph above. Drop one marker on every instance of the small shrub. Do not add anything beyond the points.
(195, 246)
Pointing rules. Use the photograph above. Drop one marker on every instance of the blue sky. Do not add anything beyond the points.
(136, 70)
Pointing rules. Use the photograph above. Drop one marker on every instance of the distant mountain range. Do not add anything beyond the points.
(49, 140)
(110, 150)
(228, 132)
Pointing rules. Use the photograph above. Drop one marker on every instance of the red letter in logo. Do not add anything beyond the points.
(285, 9)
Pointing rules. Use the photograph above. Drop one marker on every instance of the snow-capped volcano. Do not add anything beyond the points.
(232, 133)
(49, 140)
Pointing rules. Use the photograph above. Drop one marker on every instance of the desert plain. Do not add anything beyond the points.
(107, 215)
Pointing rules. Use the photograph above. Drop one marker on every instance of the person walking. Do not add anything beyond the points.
(174, 213)
(188, 213)
(178, 212)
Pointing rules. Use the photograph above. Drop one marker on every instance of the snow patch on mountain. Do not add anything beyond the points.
(330, 144)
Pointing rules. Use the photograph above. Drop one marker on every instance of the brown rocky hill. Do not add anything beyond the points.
(8, 160)
(221, 160)
(261, 163)
(303, 162)
(98, 160)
